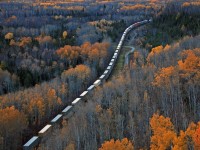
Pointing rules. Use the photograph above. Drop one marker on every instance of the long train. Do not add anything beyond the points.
(68, 111)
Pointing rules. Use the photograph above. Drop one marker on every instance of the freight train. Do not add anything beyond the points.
(69, 110)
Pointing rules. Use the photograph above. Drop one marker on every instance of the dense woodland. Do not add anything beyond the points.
(30, 34)
(164, 82)
(51, 52)
(176, 21)
(153, 104)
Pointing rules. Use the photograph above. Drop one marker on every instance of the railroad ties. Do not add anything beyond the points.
(69, 110)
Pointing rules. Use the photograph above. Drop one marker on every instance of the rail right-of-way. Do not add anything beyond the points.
(70, 110)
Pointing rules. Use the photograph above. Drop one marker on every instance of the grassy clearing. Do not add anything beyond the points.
(120, 62)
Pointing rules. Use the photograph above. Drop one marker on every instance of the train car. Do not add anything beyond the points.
(118, 46)
(57, 121)
(114, 57)
(76, 101)
(108, 68)
(128, 29)
(136, 24)
(90, 88)
(111, 64)
(97, 83)
(106, 73)
(143, 22)
(109, 71)
(102, 77)
(45, 132)
(32, 143)
(67, 112)
(112, 60)
(83, 96)
(116, 54)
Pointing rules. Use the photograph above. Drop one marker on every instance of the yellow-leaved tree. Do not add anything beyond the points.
(64, 34)
(9, 36)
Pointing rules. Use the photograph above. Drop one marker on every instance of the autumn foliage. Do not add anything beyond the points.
(164, 136)
(163, 132)
(166, 81)
(196, 138)
(94, 54)
(124, 144)
(38, 104)
(12, 124)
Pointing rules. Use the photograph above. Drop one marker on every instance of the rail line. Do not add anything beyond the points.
(69, 110)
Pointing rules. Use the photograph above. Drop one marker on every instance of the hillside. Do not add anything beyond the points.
(51, 51)
(165, 84)
(152, 104)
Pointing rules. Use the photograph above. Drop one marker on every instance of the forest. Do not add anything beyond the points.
(49, 53)
(52, 51)
(152, 104)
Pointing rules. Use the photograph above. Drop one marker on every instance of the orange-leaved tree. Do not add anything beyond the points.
(163, 132)
(124, 144)
(196, 138)
(180, 142)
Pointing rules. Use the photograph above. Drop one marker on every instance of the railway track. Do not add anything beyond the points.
(68, 111)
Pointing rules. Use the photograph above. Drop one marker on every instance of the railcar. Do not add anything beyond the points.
(97, 83)
(109, 67)
(111, 64)
(90, 88)
(136, 24)
(106, 73)
(45, 132)
(57, 120)
(33, 142)
(102, 77)
(114, 57)
(67, 112)
(83, 96)
(112, 60)
(76, 101)
(116, 54)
